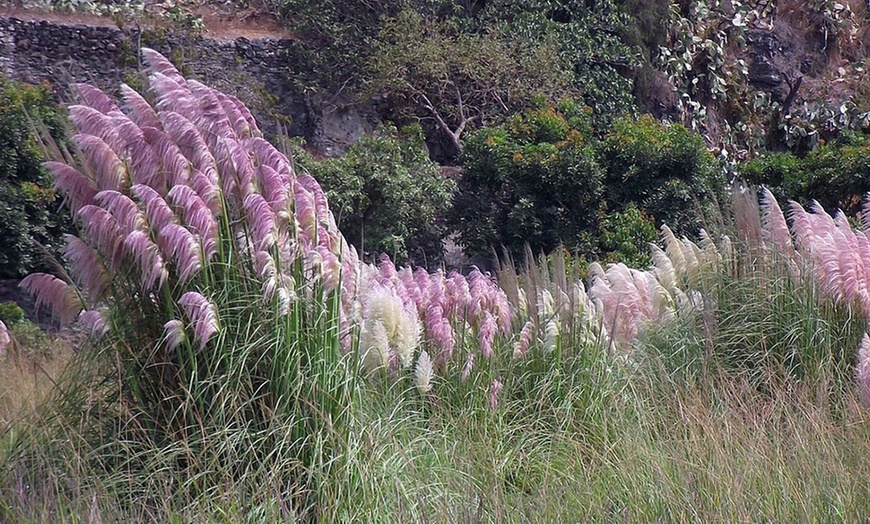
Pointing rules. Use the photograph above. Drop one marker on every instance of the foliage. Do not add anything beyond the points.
(542, 178)
(665, 169)
(433, 69)
(590, 35)
(533, 180)
(387, 195)
(207, 276)
(336, 37)
(625, 236)
(29, 211)
(837, 174)
(11, 313)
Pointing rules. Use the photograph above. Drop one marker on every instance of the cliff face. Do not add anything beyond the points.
(258, 71)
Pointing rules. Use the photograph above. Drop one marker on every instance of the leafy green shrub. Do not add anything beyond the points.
(387, 195)
(625, 236)
(665, 169)
(535, 179)
(836, 174)
(30, 214)
(11, 313)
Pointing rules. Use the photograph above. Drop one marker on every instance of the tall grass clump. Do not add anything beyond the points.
(210, 277)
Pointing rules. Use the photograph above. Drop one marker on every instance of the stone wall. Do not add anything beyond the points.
(259, 72)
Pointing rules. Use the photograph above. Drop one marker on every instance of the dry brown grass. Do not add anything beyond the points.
(26, 379)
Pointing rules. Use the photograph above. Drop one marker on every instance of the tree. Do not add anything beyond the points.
(534, 179)
(431, 68)
(665, 169)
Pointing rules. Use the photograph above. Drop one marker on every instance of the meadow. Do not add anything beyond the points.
(238, 362)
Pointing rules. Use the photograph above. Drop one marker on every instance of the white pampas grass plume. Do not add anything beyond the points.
(424, 373)
(375, 346)
(551, 336)
(174, 333)
(5, 339)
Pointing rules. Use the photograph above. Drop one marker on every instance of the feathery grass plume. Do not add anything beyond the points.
(202, 315)
(96, 98)
(77, 189)
(89, 121)
(486, 333)
(375, 346)
(862, 371)
(139, 110)
(494, 389)
(194, 215)
(424, 373)
(261, 222)
(175, 169)
(108, 169)
(178, 244)
(521, 347)
(94, 322)
(125, 211)
(103, 232)
(148, 259)
(86, 266)
(5, 339)
(62, 299)
(467, 367)
(390, 330)
(174, 334)
(775, 230)
(157, 211)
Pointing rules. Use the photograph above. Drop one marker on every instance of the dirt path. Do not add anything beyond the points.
(220, 24)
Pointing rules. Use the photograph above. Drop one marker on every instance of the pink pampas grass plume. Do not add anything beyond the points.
(139, 110)
(862, 371)
(775, 228)
(87, 267)
(521, 348)
(176, 169)
(148, 259)
(197, 216)
(202, 315)
(261, 222)
(125, 211)
(77, 189)
(60, 297)
(95, 98)
(158, 63)
(494, 389)
(486, 334)
(179, 244)
(466, 369)
(94, 323)
(157, 211)
(109, 172)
